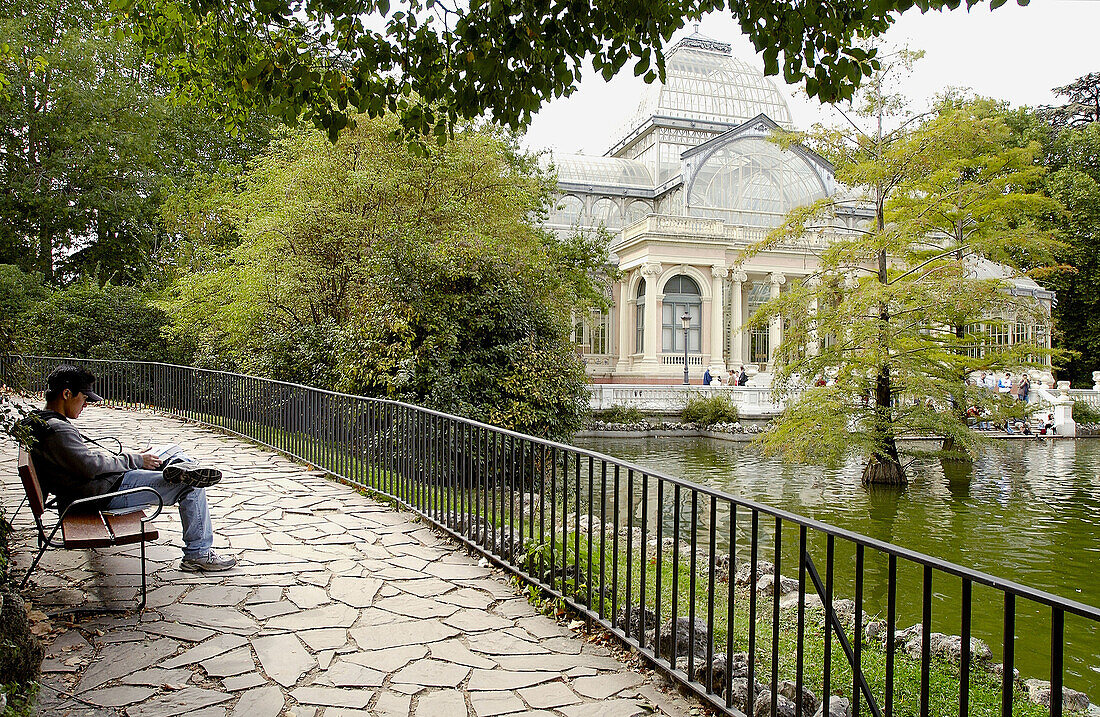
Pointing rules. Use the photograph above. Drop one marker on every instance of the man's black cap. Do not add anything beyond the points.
(74, 378)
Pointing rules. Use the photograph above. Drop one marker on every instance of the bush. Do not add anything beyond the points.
(87, 320)
(708, 410)
(621, 414)
(1084, 412)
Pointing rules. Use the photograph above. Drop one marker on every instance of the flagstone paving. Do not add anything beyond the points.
(340, 606)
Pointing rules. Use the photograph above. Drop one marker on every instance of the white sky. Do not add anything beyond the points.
(1013, 53)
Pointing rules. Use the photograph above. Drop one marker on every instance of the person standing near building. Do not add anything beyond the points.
(706, 377)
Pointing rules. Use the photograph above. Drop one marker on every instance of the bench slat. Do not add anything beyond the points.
(127, 528)
(85, 530)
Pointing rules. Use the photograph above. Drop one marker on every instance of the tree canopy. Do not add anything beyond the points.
(435, 63)
(89, 143)
(1069, 137)
(906, 307)
(365, 268)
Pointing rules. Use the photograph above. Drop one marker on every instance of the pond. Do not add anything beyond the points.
(1026, 510)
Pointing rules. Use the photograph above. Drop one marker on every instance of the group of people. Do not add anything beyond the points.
(1018, 389)
(1004, 383)
(740, 378)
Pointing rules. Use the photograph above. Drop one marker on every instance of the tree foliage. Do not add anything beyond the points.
(1070, 140)
(366, 268)
(893, 316)
(1082, 103)
(436, 64)
(83, 319)
(89, 143)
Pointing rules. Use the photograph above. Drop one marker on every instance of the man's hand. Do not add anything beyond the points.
(150, 461)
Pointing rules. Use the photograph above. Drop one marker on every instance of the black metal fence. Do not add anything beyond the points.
(689, 576)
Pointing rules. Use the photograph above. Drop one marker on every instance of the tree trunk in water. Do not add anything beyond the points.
(884, 467)
(885, 470)
(952, 451)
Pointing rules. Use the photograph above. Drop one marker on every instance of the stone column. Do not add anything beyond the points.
(651, 271)
(775, 330)
(626, 313)
(717, 325)
(737, 318)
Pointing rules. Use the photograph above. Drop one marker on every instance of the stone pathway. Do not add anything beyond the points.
(340, 607)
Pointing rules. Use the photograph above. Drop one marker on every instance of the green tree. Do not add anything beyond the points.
(895, 312)
(1070, 139)
(20, 295)
(363, 267)
(87, 320)
(88, 144)
(436, 64)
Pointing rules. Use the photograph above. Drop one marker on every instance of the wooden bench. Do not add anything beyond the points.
(83, 526)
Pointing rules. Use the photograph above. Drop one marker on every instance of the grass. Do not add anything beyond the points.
(621, 414)
(709, 410)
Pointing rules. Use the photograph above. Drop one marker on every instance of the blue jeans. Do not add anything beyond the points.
(198, 533)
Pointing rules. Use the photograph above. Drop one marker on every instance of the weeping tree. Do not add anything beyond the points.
(917, 294)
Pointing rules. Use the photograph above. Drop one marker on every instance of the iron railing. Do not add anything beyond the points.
(622, 545)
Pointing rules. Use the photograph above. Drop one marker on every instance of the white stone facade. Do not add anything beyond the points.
(692, 183)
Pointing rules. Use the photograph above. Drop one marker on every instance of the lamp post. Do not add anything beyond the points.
(685, 319)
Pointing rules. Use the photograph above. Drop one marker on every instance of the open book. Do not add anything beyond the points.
(165, 451)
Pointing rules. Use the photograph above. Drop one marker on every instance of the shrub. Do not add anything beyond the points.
(708, 410)
(620, 413)
(1084, 412)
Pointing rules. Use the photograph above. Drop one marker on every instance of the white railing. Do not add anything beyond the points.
(702, 227)
(1088, 395)
(751, 400)
(678, 359)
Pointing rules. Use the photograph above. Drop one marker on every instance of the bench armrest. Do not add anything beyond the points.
(115, 494)
(96, 498)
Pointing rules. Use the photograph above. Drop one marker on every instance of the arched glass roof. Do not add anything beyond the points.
(704, 82)
(752, 181)
(610, 171)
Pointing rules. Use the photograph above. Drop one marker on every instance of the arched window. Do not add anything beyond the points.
(637, 211)
(606, 211)
(681, 294)
(759, 339)
(639, 319)
(753, 181)
(568, 211)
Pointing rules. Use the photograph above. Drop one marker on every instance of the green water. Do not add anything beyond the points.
(1027, 511)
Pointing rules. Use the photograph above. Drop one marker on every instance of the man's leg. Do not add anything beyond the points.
(198, 533)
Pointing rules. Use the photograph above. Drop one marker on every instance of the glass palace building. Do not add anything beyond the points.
(692, 182)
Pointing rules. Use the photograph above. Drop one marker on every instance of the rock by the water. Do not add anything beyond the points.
(763, 706)
(875, 632)
(744, 573)
(945, 647)
(838, 707)
(739, 668)
(766, 584)
(998, 671)
(630, 617)
(683, 637)
(788, 689)
(1038, 691)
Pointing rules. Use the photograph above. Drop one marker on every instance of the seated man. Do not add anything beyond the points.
(70, 469)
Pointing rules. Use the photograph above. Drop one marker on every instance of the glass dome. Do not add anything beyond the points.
(704, 82)
(606, 171)
(751, 181)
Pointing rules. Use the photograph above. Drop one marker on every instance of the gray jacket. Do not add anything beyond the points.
(70, 468)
